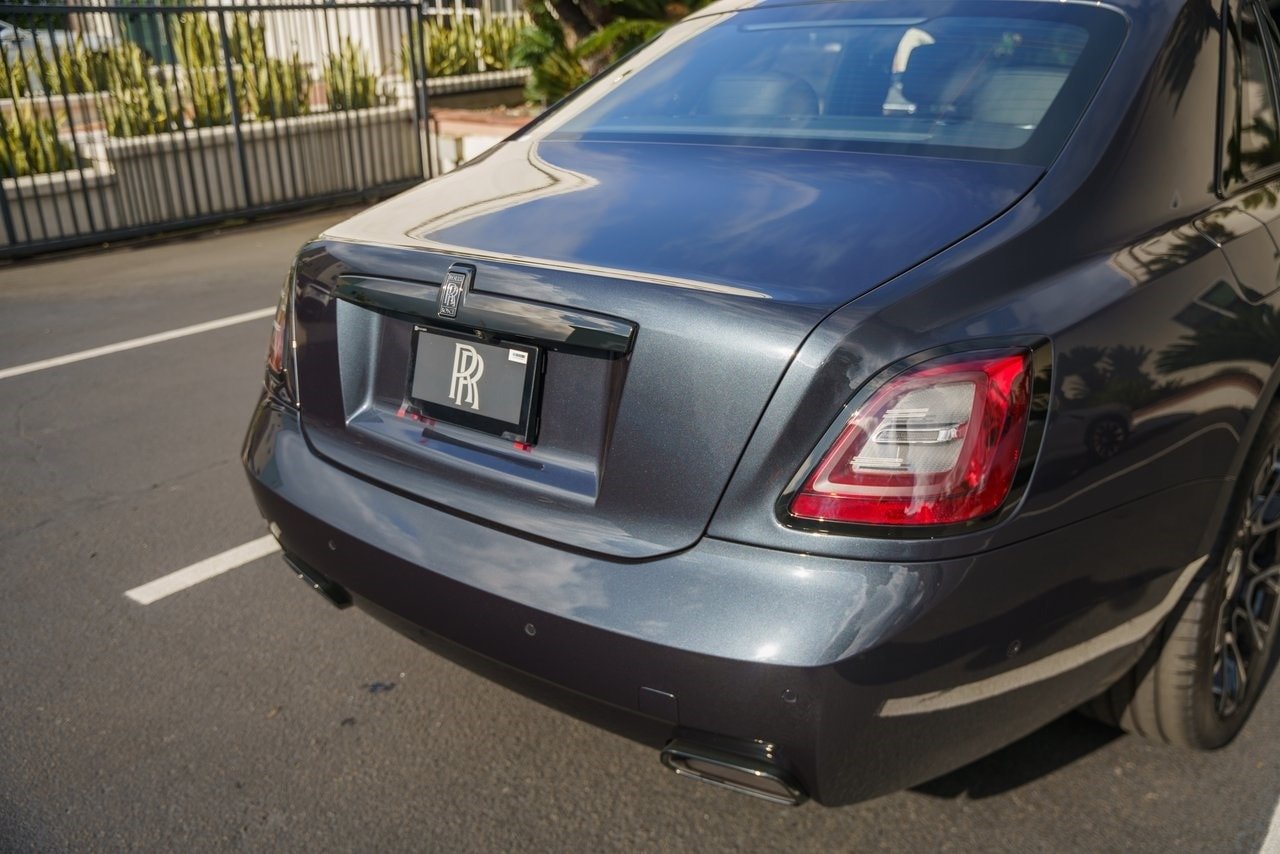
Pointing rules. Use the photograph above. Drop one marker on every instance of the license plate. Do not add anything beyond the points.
(488, 387)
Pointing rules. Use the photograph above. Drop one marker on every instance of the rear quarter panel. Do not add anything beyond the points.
(1148, 417)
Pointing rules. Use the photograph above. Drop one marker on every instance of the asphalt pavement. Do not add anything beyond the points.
(244, 712)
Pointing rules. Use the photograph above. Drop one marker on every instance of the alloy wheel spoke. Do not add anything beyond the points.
(1243, 616)
(1251, 591)
(1228, 678)
(1269, 576)
(1266, 498)
(1262, 614)
(1234, 676)
(1260, 526)
(1242, 674)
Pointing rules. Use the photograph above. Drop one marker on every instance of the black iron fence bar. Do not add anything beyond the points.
(19, 121)
(144, 9)
(274, 88)
(421, 106)
(48, 102)
(164, 195)
(205, 220)
(155, 151)
(302, 183)
(234, 102)
(176, 35)
(98, 106)
(182, 118)
(172, 195)
(345, 119)
(9, 232)
(66, 177)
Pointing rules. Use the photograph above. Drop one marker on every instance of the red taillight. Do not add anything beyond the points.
(935, 445)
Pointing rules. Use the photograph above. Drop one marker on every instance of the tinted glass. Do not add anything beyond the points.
(1006, 87)
(1256, 129)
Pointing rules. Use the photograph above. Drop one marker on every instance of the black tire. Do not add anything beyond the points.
(1185, 691)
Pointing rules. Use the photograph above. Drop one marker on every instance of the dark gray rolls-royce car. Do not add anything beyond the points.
(827, 394)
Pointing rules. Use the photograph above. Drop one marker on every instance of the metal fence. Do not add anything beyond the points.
(118, 120)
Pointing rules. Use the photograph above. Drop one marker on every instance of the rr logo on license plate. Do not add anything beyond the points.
(492, 386)
(468, 367)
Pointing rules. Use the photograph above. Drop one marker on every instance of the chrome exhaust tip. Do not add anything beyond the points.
(759, 778)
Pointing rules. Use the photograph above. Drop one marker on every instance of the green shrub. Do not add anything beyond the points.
(498, 39)
(450, 47)
(349, 81)
(138, 105)
(277, 88)
(564, 51)
(13, 78)
(194, 41)
(619, 37)
(73, 69)
(446, 49)
(458, 46)
(264, 87)
(139, 111)
(31, 145)
(271, 88)
(554, 68)
(199, 52)
(125, 65)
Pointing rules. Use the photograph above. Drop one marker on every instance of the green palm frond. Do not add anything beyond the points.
(620, 37)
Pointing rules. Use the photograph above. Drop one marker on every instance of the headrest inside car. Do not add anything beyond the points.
(1018, 96)
(761, 94)
(937, 74)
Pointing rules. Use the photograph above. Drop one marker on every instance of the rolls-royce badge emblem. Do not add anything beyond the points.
(451, 290)
(468, 367)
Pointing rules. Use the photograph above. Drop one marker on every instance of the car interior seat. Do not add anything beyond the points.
(1017, 96)
(939, 77)
(765, 93)
(861, 82)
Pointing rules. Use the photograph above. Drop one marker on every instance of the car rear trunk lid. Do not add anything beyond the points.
(666, 291)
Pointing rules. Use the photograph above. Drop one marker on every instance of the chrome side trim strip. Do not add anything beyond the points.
(1127, 633)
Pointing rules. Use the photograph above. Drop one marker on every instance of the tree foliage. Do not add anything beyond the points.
(568, 41)
(1252, 334)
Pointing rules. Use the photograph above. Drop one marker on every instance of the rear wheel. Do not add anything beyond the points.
(1198, 683)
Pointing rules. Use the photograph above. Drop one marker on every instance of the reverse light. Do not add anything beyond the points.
(279, 326)
(279, 356)
(935, 445)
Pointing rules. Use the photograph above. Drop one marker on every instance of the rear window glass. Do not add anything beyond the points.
(969, 83)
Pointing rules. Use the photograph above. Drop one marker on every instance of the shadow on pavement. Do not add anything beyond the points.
(1055, 746)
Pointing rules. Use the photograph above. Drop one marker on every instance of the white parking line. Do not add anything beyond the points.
(208, 326)
(204, 570)
(1271, 845)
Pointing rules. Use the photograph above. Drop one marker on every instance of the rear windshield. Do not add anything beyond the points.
(997, 81)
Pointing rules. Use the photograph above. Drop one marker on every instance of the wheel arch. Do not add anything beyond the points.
(1267, 398)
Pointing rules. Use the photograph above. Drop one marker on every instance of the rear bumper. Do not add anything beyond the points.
(866, 677)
